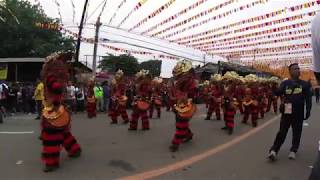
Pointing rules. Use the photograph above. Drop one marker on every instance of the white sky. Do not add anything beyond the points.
(121, 34)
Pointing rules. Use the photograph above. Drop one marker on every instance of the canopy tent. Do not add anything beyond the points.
(267, 31)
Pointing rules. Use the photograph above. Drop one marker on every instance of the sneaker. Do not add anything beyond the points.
(272, 156)
(292, 155)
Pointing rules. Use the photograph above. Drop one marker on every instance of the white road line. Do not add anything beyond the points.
(22, 132)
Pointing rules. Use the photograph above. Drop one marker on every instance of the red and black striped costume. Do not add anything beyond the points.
(262, 100)
(255, 107)
(53, 139)
(249, 108)
(272, 99)
(205, 95)
(239, 94)
(214, 102)
(116, 109)
(229, 108)
(55, 119)
(185, 88)
(143, 91)
(156, 100)
(172, 97)
(91, 102)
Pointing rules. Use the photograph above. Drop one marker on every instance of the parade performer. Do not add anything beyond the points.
(141, 101)
(262, 97)
(272, 98)
(253, 85)
(229, 103)
(55, 119)
(91, 100)
(215, 97)
(172, 95)
(118, 99)
(184, 109)
(205, 93)
(156, 97)
(239, 94)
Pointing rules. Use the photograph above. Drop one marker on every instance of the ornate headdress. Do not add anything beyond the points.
(142, 73)
(182, 67)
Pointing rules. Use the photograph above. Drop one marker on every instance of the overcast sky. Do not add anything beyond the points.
(71, 18)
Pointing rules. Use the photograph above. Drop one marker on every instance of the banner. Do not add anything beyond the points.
(3, 71)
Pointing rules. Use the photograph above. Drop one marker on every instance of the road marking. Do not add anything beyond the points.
(187, 162)
(19, 162)
(22, 132)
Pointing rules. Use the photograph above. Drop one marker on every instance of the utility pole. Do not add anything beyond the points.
(204, 59)
(96, 38)
(80, 31)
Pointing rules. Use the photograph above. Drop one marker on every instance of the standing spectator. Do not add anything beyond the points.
(80, 98)
(13, 98)
(106, 96)
(24, 98)
(39, 97)
(3, 97)
(315, 31)
(98, 93)
(296, 94)
(71, 96)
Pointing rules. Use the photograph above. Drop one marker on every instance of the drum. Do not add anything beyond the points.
(185, 111)
(58, 119)
(123, 100)
(142, 105)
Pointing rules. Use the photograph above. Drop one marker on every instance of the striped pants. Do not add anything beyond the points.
(183, 131)
(229, 118)
(214, 107)
(91, 110)
(115, 112)
(135, 117)
(157, 107)
(52, 140)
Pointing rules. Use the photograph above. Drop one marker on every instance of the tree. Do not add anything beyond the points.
(128, 64)
(154, 67)
(24, 39)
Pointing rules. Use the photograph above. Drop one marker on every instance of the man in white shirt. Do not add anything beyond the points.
(315, 31)
(71, 96)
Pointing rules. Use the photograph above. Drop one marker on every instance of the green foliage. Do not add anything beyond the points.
(154, 67)
(129, 65)
(23, 38)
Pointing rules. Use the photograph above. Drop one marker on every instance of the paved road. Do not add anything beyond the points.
(112, 152)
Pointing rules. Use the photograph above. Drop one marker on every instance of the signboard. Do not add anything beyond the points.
(3, 71)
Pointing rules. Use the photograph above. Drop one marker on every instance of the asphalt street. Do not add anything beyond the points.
(113, 152)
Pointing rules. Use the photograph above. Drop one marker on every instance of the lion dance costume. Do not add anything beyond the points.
(118, 99)
(184, 108)
(55, 120)
(141, 101)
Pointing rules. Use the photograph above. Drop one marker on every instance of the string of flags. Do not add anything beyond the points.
(142, 2)
(153, 14)
(225, 14)
(269, 36)
(263, 32)
(186, 10)
(250, 20)
(253, 27)
(115, 13)
(293, 38)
